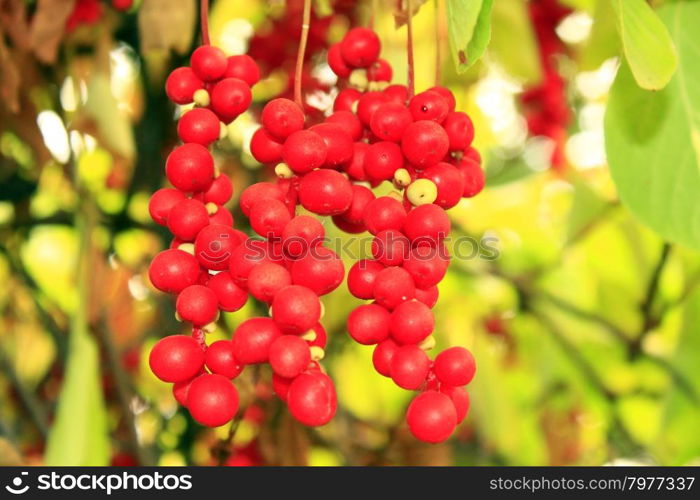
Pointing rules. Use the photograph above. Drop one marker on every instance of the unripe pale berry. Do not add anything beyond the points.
(360, 47)
(325, 192)
(422, 192)
(431, 417)
(384, 213)
(382, 355)
(209, 63)
(392, 286)
(304, 150)
(229, 98)
(390, 247)
(243, 67)
(176, 358)
(429, 105)
(389, 121)
(230, 296)
(190, 167)
(337, 63)
(426, 223)
(269, 218)
(198, 305)
(220, 359)
(187, 218)
(301, 234)
(199, 125)
(266, 279)
(259, 191)
(212, 400)
(368, 324)
(215, 244)
(382, 159)
(264, 147)
(411, 322)
(181, 85)
(361, 278)
(161, 202)
(424, 143)
(320, 270)
(253, 338)
(338, 144)
(282, 117)
(289, 356)
(312, 399)
(409, 367)
(296, 309)
(455, 366)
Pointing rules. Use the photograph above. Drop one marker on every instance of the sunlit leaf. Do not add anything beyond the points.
(510, 22)
(469, 29)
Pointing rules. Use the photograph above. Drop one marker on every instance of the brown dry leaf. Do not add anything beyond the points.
(13, 19)
(167, 24)
(9, 78)
(48, 25)
(401, 14)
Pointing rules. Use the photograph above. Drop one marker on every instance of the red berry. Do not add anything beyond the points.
(349, 122)
(230, 296)
(245, 257)
(243, 67)
(252, 340)
(296, 309)
(409, 367)
(199, 125)
(380, 71)
(222, 217)
(181, 389)
(181, 85)
(431, 417)
(337, 63)
(301, 234)
(428, 296)
(397, 94)
(219, 359)
(472, 176)
(187, 218)
(220, 191)
(212, 400)
(425, 143)
(382, 159)
(321, 336)
(472, 154)
(190, 167)
(259, 191)
(361, 278)
(390, 247)
(384, 213)
(264, 147)
(304, 151)
(368, 104)
(411, 322)
(449, 182)
(325, 192)
(209, 63)
(282, 117)
(214, 245)
(229, 98)
(368, 324)
(281, 386)
(460, 398)
(176, 358)
(455, 366)
(289, 356)
(346, 99)
(447, 95)
(390, 120)
(346, 226)
(426, 223)
(356, 168)
(382, 356)
(266, 279)
(197, 304)
(161, 202)
(338, 143)
(427, 264)
(360, 47)
(429, 105)
(173, 270)
(460, 130)
(362, 197)
(392, 286)
(320, 270)
(312, 399)
(269, 218)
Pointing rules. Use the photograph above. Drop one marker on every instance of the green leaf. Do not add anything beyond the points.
(653, 138)
(511, 27)
(646, 43)
(469, 29)
(604, 42)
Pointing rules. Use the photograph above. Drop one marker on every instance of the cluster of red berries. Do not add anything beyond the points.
(546, 108)
(422, 145)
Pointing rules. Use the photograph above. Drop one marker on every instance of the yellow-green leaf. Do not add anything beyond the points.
(469, 30)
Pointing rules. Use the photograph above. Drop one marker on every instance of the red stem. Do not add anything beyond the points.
(204, 21)
(409, 49)
(306, 21)
(198, 335)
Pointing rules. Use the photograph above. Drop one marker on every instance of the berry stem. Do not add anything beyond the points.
(409, 48)
(198, 335)
(204, 21)
(305, 23)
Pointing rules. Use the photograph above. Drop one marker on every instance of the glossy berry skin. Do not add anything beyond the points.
(176, 358)
(368, 103)
(245, 257)
(411, 322)
(455, 366)
(259, 191)
(269, 218)
(296, 309)
(409, 367)
(427, 264)
(252, 340)
(325, 192)
(428, 296)
(220, 359)
(361, 197)
(449, 182)
(244, 68)
(229, 98)
(460, 398)
(389, 121)
(362, 276)
(382, 355)
(190, 167)
(197, 304)
(266, 279)
(181, 389)
(356, 168)
(221, 216)
(460, 130)
(264, 147)
(338, 144)
(301, 234)
(289, 356)
(380, 71)
(212, 400)
(311, 399)
(384, 213)
(230, 296)
(390, 247)
(181, 85)
(472, 176)
(346, 99)
(187, 218)
(321, 336)
(304, 151)
(219, 192)
(426, 223)
(199, 125)
(214, 245)
(382, 159)
(349, 122)
(397, 94)
(346, 226)
(337, 63)
(360, 47)
(393, 286)
(280, 385)
(161, 202)
(320, 270)
(282, 117)
(431, 417)
(369, 324)
(447, 95)
(428, 105)
(209, 63)
(172, 270)
(424, 143)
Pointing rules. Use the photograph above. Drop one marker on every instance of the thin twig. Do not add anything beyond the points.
(204, 21)
(299, 72)
(409, 49)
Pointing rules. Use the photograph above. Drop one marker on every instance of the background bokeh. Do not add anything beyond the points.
(584, 326)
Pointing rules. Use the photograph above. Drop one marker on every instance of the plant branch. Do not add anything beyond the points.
(299, 72)
(409, 49)
(204, 21)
